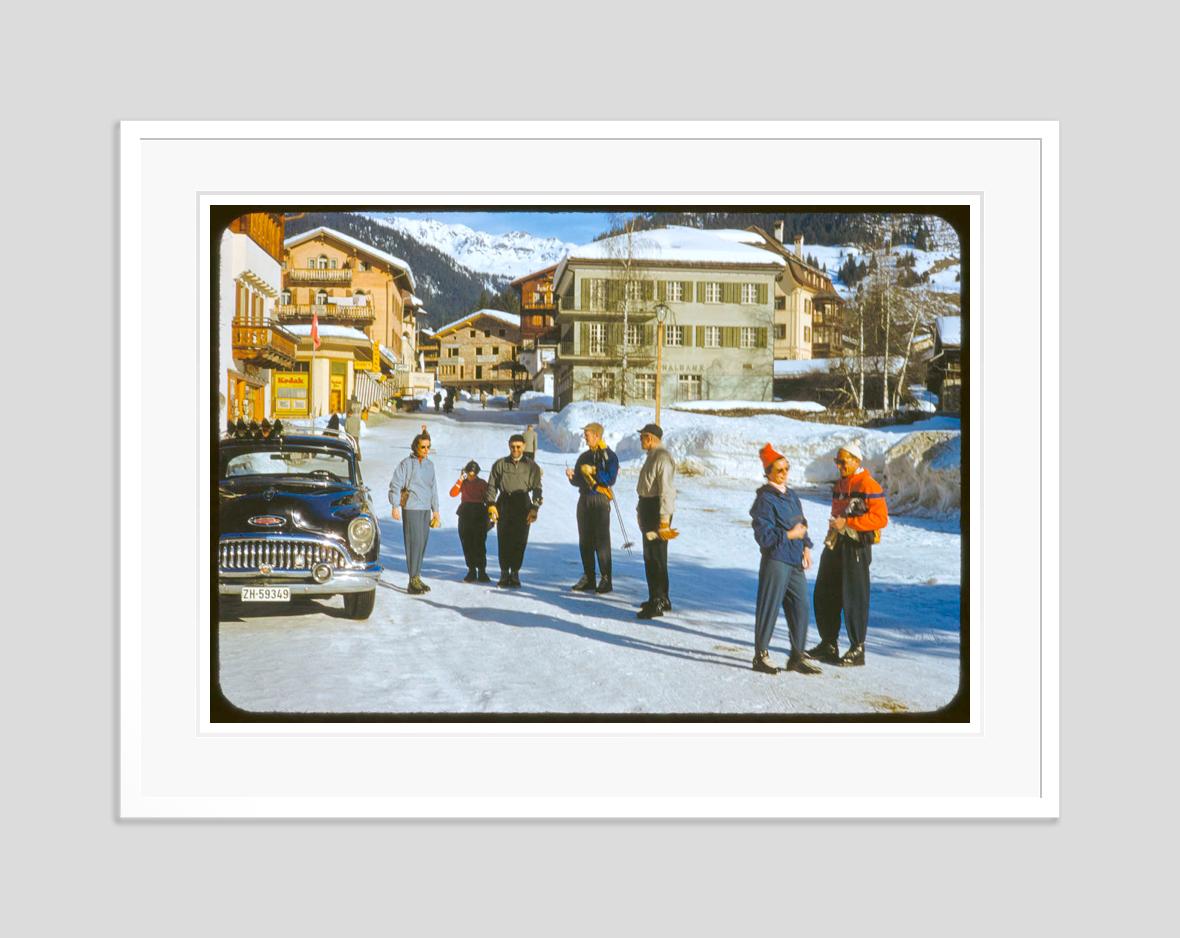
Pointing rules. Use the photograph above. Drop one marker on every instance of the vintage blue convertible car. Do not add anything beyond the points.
(295, 518)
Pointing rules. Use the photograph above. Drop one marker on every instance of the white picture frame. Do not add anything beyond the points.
(1002, 762)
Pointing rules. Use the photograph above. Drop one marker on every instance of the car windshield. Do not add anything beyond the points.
(293, 462)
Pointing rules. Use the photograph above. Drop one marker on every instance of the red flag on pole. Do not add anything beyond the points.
(315, 331)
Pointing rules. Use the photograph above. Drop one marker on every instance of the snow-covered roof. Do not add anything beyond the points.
(679, 244)
(509, 318)
(359, 245)
(415, 300)
(785, 368)
(329, 332)
(387, 354)
(950, 330)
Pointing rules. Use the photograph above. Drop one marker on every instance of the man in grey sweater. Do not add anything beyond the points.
(414, 476)
(513, 499)
(657, 500)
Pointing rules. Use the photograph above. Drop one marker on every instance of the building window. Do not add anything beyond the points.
(689, 387)
(479, 372)
(749, 293)
(749, 337)
(780, 302)
(712, 293)
(807, 333)
(645, 385)
(362, 265)
(332, 263)
(780, 331)
(597, 338)
(675, 291)
(634, 290)
(285, 298)
(634, 334)
(602, 385)
(674, 336)
(473, 333)
(597, 294)
(479, 350)
(453, 352)
(807, 305)
(322, 263)
(321, 298)
(712, 337)
(495, 350)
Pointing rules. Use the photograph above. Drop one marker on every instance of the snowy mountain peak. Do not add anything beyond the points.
(506, 255)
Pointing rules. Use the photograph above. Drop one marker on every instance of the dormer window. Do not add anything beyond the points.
(321, 298)
(322, 262)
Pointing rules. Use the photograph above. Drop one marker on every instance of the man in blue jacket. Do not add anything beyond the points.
(593, 475)
(781, 531)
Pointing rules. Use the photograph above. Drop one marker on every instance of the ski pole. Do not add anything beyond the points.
(627, 545)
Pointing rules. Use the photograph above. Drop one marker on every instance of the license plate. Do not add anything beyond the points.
(266, 594)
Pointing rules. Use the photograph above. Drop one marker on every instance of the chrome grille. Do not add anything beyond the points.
(245, 554)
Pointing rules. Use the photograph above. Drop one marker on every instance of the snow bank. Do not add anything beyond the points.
(922, 474)
(925, 400)
(536, 401)
(727, 447)
(775, 407)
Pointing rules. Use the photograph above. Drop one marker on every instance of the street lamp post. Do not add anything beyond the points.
(661, 312)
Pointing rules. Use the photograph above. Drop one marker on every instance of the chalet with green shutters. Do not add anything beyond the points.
(715, 290)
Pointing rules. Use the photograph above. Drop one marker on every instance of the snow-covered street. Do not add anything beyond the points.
(475, 648)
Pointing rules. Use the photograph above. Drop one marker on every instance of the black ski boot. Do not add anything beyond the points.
(825, 652)
(470, 578)
(604, 585)
(482, 576)
(854, 657)
(584, 585)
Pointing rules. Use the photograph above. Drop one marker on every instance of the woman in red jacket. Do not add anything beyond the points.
(473, 522)
(842, 584)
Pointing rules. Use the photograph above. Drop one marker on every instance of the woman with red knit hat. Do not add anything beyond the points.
(781, 531)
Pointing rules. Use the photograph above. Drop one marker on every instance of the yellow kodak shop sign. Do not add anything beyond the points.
(290, 390)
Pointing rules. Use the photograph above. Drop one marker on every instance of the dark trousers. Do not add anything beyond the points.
(594, 532)
(473, 534)
(655, 551)
(514, 509)
(780, 586)
(842, 584)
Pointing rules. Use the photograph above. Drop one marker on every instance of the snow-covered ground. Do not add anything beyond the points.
(473, 648)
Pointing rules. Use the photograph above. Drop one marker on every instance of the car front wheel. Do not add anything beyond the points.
(359, 605)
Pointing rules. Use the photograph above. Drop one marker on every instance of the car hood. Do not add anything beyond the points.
(288, 508)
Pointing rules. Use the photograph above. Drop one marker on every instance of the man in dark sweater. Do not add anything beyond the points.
(513, 499)
(593, 475)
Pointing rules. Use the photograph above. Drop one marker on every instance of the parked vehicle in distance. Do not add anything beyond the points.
(295, 518)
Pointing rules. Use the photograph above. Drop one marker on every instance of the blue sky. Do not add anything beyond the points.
(578, 227)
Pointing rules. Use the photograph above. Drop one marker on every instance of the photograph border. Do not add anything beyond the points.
(157, 792)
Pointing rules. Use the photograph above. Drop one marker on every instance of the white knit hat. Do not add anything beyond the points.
(853, 449)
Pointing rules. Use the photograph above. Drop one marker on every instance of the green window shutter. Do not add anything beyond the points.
(583, 335)
(585, 294)
(700, 342)
(649, 289)
(760, 337)
(614, 337)
(612, 294)
(686, 290)
(649, 336)
(662, 290)
(701, 292)
(730, 337)
(761, 294)
(731, 292)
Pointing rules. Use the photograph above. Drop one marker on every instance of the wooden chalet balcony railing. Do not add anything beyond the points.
(329, 312)
(263, 343)
(336, 276)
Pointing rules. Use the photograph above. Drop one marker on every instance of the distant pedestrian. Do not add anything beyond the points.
(657, 500)
(513, 499)
(437, 401)
(483, 399)
(781, 532)
(530, 443)
(473, 522)
(859, 513)
(593, 475)
(413, 493)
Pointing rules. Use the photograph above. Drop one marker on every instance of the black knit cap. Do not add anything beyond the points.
(472, 466)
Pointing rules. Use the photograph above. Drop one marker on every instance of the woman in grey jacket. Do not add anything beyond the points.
(413, 493)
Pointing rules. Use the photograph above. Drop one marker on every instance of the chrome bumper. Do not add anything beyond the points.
(300, 583)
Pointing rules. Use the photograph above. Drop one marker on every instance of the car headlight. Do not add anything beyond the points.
(361, 532)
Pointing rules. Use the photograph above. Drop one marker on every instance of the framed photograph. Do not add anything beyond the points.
(641, 466)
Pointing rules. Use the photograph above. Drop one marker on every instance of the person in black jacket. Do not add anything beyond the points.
(593, 475)
(781, 531)
(513, 499)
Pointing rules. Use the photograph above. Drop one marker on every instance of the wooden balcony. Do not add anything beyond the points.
(263, 344)
(336, 276)
(330, 312)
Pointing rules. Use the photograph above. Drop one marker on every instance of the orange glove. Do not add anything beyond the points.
(532, 516)
(604, 490)
(493, 514)
(666, 533)
(588, 471)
